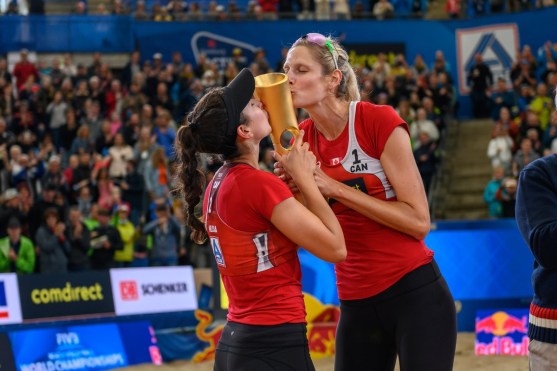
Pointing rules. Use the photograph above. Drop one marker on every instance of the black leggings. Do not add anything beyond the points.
(263, 348)
(414, 319)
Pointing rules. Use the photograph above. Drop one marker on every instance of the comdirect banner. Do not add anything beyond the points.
(153, 290)
(65, 295)
(85, 347)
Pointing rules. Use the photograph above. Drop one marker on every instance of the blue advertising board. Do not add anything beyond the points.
(85, 347)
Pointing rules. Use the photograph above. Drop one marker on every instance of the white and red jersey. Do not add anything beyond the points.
(378, 256)
(259, 265)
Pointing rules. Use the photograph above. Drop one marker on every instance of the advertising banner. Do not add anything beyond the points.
(85, 347)
(502, 332)
(65, 295)
(10, 310)
(153, 290)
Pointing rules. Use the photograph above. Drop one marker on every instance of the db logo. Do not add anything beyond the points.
(128, 290)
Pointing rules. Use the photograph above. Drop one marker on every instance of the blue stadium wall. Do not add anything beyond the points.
(112, 34)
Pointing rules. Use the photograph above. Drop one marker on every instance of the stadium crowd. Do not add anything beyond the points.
(86, 170)
(524, 121)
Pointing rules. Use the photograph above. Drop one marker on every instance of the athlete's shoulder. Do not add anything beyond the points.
(377, 111)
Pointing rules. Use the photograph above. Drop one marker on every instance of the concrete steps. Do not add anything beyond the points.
(466, 172)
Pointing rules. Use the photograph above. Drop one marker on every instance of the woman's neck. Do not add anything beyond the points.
(330, 117)
(250, 158)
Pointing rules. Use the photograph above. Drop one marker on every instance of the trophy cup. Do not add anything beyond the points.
(272, 89)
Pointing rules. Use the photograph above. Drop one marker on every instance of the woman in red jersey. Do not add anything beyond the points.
(393, 299)
(254, 225)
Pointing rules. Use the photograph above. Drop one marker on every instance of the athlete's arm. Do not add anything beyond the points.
(314, 226)
(410, 213)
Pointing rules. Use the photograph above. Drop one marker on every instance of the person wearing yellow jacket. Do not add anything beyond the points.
(124, 257)
(17, 253)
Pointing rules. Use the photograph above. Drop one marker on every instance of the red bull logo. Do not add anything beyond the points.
(502, 332)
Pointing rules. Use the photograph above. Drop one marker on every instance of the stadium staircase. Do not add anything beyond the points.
(457, 192)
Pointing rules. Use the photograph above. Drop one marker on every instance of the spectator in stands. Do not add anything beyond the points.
(523, 156)
(120, 153)
(423, 125)
(507, 196)
(118, 8)
(260, 58)
(480, 80)
(134, 100)
(383, 9)
(82, 142)
(547, 74)
(105, 241)
(341, 10)
(102, 10)
(57, 111)
(78, 236)
(133, 189)
(165, 134)
(499, 149)
(53, 176)
(522, 74)
(124, 257)
(80, 8)
(51, 244)
(426, 158)
(141, 13)
(495, 209)
(24, 68)
(11, 208)
(157, 174)
(4, 72)
(105, 139)
(508, 123)
(380, 70)
(440, 64)
(322, 10)
(531, 121)
(166, 238)
(68, 132)
(17, 252)
(550, 134)
(103, 186)
(537, 145)
(84, 201)
(452, 7)
(542, 105)
(502, 97)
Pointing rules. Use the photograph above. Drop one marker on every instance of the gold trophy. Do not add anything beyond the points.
(272, 89)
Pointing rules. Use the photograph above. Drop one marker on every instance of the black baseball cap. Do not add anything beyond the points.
(236, 97)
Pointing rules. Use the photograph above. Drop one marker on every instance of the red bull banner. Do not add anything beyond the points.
(502, 332)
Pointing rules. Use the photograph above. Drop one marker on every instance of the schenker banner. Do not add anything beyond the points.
(65, 295)
(153, 290)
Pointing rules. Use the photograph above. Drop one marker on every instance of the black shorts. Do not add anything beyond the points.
(415, 319)
(263, 348)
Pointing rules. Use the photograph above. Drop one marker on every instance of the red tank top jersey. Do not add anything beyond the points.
(259, 266)
(378, 256)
